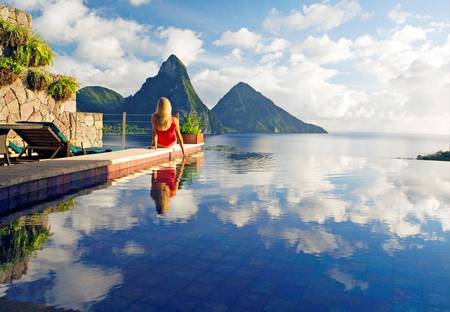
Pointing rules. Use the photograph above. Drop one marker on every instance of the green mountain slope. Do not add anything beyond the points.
(99, 99)
(172, 81)
(243, 109)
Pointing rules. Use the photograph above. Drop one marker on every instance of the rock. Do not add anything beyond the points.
(89, 120)
(26, 110)
(14, 107)
(36, 116)
(4, 113)
(70, 106)
(12, 118)
(10, 96)
(43, 108)
(3, 90)
(19, 91)
(36, 104)
(30, 94)
(48, 118)
(4, 12)
(22, 19)
(30, 20)
(42, 96)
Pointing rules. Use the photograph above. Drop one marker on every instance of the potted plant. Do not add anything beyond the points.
(191, 129)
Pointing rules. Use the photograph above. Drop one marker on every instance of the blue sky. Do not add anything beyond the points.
(347, 65)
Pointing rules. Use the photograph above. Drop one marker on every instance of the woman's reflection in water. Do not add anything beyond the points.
(168, 179)
(165, 183)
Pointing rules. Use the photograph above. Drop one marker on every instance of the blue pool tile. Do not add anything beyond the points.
(407, 307)
(131, 291)
(275, 304)
(198, 290)
(224, 295)
(157, 297)
(263, 287)
(139, 306)
(411, 295)
(182, 303)
(211, 306)
(111, 304)
(250, 302)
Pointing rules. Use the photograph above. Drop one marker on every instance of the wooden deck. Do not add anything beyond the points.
(26, 184)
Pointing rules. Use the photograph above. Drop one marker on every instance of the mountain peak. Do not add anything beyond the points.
(242, 85)
(173, 67)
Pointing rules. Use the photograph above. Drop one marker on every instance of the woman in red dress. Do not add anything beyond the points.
(165, 127)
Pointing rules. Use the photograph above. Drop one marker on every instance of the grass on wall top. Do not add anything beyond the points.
(38, 79)
(34, 53)
(13, 35)
(24, 49)
(63, 88)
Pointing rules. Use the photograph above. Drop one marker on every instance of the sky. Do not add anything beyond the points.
(346, 65)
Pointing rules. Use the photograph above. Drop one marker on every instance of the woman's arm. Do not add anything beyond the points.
(179, 137)
(154, 135)
(180, 174)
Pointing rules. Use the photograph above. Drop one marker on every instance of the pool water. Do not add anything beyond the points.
(253, 223)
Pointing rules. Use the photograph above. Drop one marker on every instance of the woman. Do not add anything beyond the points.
(165, 127)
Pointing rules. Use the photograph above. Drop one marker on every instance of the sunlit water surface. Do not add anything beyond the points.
(258, 222)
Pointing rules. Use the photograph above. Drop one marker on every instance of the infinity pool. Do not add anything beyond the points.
(240, 228)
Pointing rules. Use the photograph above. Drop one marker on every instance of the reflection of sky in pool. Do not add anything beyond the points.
(247, 231)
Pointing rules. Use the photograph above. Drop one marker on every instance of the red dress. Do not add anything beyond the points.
(166, 176)
(168, 137)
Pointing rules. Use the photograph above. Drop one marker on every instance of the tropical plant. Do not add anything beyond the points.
(38, 79)
(13, 35)
(9, 70)
(191, 124)
(63, 88)
(34, 53)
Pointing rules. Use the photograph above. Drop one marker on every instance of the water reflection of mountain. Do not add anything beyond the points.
(20, 239)
(243, 162)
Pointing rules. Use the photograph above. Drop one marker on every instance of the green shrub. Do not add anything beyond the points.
(9, 70)
(34, 53)
(13, 35)
(191, 124)
(38, 79)
(440, 155)
(63, 88)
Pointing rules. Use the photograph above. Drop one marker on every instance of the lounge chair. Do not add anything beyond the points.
(3, 147)
(45, 139)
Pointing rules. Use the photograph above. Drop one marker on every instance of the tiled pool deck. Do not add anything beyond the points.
(26, 184)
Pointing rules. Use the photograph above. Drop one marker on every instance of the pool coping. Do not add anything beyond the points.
(30, 183)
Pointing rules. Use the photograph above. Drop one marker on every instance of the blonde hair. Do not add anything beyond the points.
(163, 114)
(161, 194)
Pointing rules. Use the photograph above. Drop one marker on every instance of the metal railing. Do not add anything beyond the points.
(126, 123)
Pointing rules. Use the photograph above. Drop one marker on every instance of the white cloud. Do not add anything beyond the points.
(107, 51)
(243, 38)
(323, 50)
(139, 2)
(398, 15)
(322, 16)
(185, 43)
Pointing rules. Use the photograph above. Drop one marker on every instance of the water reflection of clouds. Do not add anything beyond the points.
(401, 196)
(69, 281)
(75, 283)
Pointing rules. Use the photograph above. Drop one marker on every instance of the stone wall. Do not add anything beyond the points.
(18, 102)
(15, 16)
